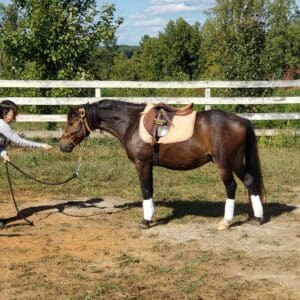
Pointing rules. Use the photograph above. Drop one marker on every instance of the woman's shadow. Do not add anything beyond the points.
(54, 208)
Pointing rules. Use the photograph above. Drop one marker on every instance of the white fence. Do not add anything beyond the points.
(206, 100)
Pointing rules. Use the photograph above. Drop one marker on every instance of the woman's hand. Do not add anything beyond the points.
(6, 158)
(47, 147)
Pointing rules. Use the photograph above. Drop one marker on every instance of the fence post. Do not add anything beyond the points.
(97, 93)
(207, 95)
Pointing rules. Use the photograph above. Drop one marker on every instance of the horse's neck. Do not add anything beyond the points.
(120, 120)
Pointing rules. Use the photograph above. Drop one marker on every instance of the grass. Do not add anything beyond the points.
(106, 171)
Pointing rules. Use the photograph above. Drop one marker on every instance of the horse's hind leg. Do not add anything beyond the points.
(145, 173)
(255, 206)
(230, 186)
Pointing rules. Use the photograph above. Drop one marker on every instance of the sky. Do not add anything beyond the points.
(151, 16)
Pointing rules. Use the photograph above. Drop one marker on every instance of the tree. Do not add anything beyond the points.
(124, 68)
(251, 40)
(175, 54)
(149, 59)
(180, 43)
(233, 40)
(55, 39)
(282, 50)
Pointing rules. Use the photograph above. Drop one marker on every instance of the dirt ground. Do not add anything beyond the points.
(92, 248)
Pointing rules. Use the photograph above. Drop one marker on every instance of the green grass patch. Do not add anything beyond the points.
(106, 171)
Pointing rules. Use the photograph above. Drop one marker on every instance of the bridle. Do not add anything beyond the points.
(86, 129)
(84, 125)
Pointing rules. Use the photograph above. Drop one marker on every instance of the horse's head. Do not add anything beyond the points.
(76, 130)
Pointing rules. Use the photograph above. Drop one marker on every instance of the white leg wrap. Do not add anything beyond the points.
(257, 206)
(148, 207)
(229, 209)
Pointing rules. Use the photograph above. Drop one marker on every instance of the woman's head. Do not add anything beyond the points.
(8, 110)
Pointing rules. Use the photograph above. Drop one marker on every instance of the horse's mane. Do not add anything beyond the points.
(92, 110)
(118, 104)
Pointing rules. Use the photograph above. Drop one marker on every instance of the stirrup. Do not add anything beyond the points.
(145, 224)
(223, 225)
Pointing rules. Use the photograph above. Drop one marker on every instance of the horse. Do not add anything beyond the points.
(220, 137)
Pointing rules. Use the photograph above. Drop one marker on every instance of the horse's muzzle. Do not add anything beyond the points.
(66, 147)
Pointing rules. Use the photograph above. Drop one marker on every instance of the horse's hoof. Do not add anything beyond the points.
(145, 224)
(2, 224)
(256, 221)
(223, 225)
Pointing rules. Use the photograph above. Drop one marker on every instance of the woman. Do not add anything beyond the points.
(8, 113)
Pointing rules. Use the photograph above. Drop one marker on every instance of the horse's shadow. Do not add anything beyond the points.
(210, 209)
(180, 209)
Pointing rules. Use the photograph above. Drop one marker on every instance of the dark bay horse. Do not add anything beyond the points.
(223, 138)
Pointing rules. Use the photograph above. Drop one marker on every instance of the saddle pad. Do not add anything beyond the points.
(182, 129)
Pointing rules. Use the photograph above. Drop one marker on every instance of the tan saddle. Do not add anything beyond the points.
(158, 119)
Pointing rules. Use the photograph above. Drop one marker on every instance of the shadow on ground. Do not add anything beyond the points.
(60, 207)
(180, 209)
(210, 209)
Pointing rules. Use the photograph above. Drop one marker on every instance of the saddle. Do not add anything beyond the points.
(158, 119)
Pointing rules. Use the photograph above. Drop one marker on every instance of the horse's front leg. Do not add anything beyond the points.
(145, 172)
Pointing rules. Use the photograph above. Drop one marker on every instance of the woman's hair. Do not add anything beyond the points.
(6, 106)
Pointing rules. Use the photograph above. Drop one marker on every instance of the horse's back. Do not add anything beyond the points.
(220, 117)
(220, 131)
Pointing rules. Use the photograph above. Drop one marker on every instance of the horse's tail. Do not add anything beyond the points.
(252, 162)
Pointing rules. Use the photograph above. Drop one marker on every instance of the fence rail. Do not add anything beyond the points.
(147, 84)
(170, 100)
(206, 100)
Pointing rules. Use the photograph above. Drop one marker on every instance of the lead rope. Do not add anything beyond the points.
(12, 194)
(74, 175)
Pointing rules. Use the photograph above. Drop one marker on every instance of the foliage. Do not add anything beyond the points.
(280, 141)
(173, 55)
(127, 50)
(240, 40)
(236, 28)
(124, 68)
(72, 39)
(55, 39)
(282, 49)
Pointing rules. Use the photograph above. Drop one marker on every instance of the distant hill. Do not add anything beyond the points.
(128, 50)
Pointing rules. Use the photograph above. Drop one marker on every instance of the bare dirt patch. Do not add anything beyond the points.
(92, 249)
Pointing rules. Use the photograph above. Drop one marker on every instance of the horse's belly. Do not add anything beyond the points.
(181, 166)
(182, 158)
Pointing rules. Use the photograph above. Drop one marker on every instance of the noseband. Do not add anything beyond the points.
(84, 124)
